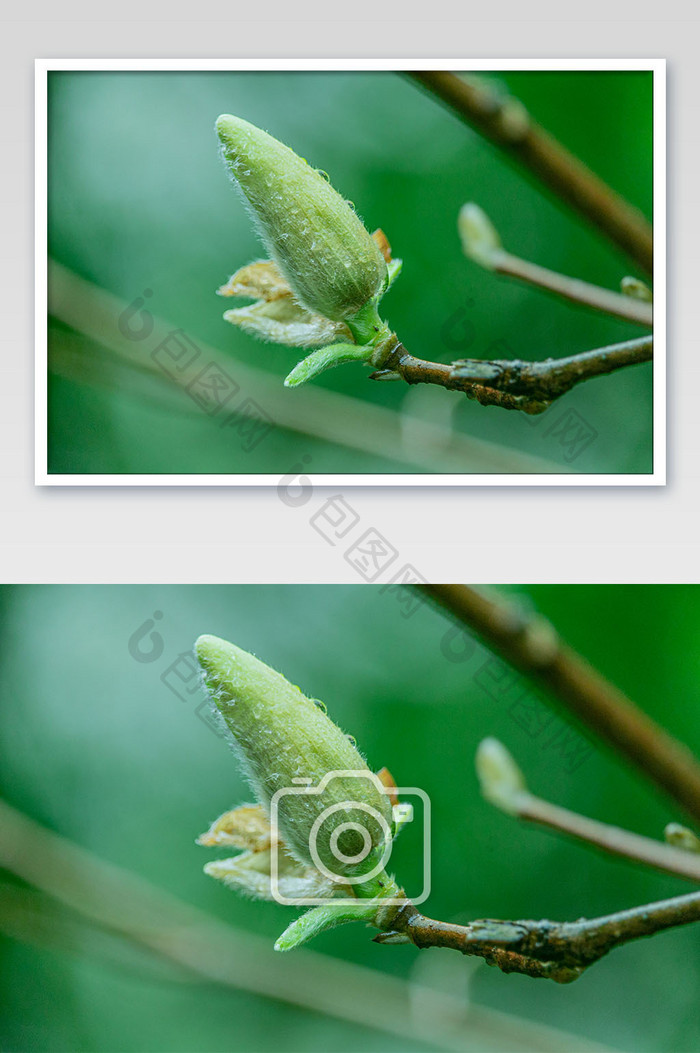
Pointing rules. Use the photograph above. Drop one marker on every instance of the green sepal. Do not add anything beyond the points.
(366, 326)
(393, 269)
(321, 919)
(326, 358)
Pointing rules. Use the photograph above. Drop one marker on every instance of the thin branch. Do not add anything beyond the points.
(558, 951)
(516, 384)
(573, 289)
(503, 785)
(482, 243)
(612, 839)
(530, 643)
(504, 121)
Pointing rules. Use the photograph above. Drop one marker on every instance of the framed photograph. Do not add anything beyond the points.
(438, 275)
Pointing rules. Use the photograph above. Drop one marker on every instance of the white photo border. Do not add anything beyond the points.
(657, 477)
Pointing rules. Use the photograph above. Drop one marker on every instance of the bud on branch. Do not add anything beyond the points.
(331, 273)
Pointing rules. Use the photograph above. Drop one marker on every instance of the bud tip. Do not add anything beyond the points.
(502, 782)
(210, 649)
(480, 239)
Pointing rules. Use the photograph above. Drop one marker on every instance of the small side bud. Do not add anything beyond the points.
(637, 289)
(502, 782)
(391, 937)
(681, 837)
(480, 239)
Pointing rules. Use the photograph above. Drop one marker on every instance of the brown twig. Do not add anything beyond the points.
(504, 121)
(558, 951)
(503, 785)
(573, 289)
(530, 643)
(482, 243)
(612, 839)
(516, 384)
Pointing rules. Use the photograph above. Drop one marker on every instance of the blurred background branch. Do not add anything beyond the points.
(201, 947)
(504, 121)
(109, 355)
(531, 644)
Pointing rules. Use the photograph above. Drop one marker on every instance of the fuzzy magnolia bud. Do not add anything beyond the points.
(328, 258)
(681, 837)
(289, 744)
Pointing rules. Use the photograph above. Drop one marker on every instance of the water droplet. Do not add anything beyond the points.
(320, 705)
(351, 739)
(323, 175)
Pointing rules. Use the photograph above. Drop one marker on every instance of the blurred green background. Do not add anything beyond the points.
(139, 200)
(96, 745)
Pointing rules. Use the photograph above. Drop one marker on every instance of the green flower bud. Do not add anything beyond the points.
(321, 247)
(339, 822)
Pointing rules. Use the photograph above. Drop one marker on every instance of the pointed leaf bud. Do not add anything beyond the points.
(326, 358)
(480, 239)
(502, 782)
(332, 811)
(637, 289)
(321, 247)
(681, 837)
